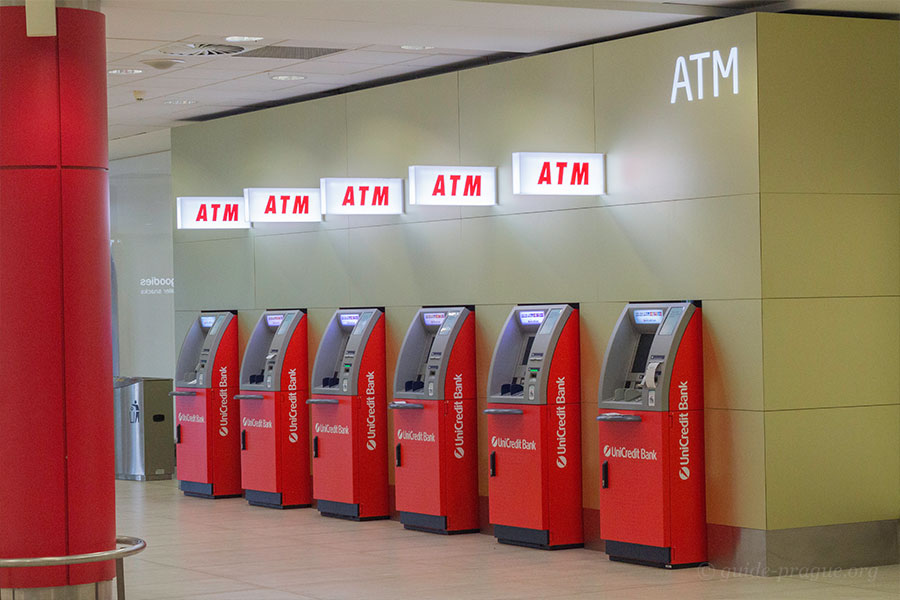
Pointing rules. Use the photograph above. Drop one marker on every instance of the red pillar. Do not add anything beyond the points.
(57, 494)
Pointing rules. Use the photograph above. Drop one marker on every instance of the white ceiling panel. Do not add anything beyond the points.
(370, 32)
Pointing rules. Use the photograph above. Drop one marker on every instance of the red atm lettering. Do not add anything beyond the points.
(229, 214)
(301, 205)
(379, 196)
(579, 173)
(472, 185)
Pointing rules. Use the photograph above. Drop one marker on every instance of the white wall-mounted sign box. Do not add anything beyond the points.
(453, 186)
(283, 205)
(361, 196)
(559, 174)
(208, 212)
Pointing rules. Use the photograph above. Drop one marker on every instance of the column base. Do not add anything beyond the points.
(101, 590)
(783, 552)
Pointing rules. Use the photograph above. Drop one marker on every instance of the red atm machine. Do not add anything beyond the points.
(435, 445)
(348, 416)
(534, 428)
(274, 417)
(653, 489)
(207, 442)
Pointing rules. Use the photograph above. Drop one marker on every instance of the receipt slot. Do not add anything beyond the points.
(207, 440)
(274, 418)
(348, 416)
(434, 408)
(652, 496)
(534, 429)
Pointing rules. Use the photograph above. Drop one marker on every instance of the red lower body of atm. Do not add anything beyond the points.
(349, 467)
(435, 460)
(207, 440)
(275, 450)
(535, 476)
(652, 496)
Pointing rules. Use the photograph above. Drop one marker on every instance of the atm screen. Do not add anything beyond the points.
(671, 323)
(527, 352)
(647, 317)
(274, 320)
(349, 319)
(433, 319)
(206, 321)
(643, 352)
(531, 317)
(285, 324)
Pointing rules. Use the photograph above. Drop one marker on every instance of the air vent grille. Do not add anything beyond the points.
(201, 49)
(288, 52)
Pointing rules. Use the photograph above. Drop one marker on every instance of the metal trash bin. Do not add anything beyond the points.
(143, 412)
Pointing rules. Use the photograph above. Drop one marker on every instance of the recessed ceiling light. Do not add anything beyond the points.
(286, 77)
(125, 71)
(162, 63)
(179, 101)
(412, 47)
(242, 38)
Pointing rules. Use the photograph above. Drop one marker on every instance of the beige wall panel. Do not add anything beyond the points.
(288, 146)
(246, 323)
(303, 269)
(657, 150)
(408, 265)
(705, 248)
(733, 354)
(534, 257)
(830, 245)
(214, 275)
(830, 466)
(540, 103)
(488, 325)
(411, 123)
(597, 323)
(829, 113)
(735, 468)
(829, 352)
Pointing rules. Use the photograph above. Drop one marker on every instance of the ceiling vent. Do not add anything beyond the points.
(201, 49)
(288, 52)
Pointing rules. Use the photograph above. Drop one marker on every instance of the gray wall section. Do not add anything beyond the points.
(140, 198)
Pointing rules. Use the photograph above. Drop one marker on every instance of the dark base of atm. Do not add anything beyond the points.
(639, 554)
(429, 524)
(269, 500)
(202, 490)
(529, 538)
(343, 510)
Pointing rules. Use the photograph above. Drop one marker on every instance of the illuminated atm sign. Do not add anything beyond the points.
(453, 186)
(205, 212)
(283, 205)
(558, 174)
(355, 196)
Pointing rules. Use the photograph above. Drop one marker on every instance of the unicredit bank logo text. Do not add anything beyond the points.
(183, 418)
(631, 453)
(684, 442)
(293, 435)
(338, 429)
(459, 424)
(370, 405)
(223, 407)
(414, 436)
(258, 423)
(561, 459)
(513, 444)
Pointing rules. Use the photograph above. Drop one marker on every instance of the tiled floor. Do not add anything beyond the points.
(205, 549)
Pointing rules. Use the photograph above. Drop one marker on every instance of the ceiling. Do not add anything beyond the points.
(363, 40)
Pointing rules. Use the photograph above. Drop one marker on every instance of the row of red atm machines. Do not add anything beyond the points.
(263, 431)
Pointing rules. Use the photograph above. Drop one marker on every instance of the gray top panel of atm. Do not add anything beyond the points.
(343, 344)
(623, 346)
(198, 351)
(266, 349)
(509, 353)
(412, 352)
